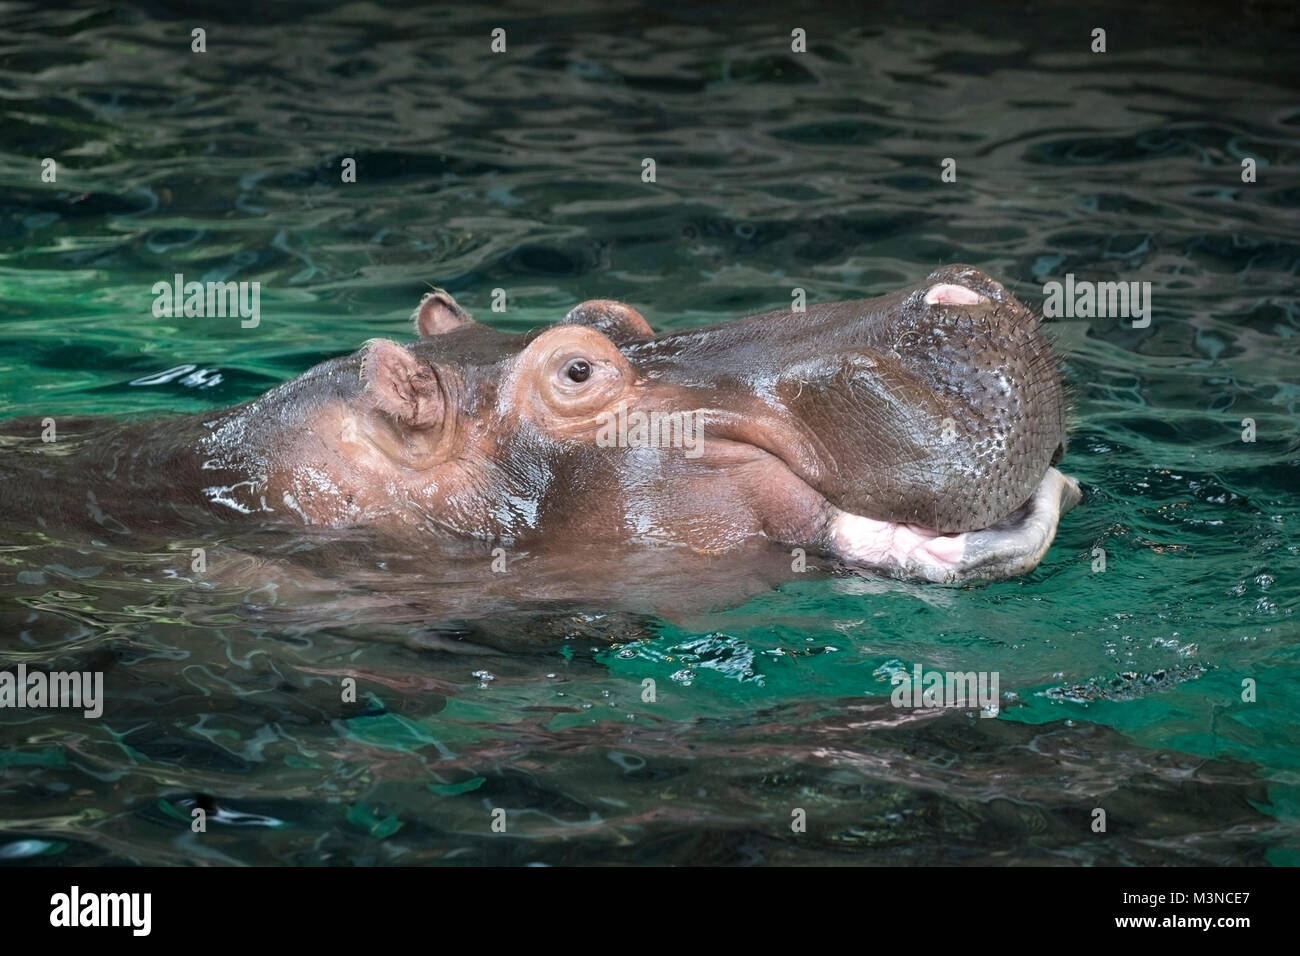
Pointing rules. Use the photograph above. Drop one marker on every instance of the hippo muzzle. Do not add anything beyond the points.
(928, 420)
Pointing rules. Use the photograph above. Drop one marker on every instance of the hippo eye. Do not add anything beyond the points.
(575, 372)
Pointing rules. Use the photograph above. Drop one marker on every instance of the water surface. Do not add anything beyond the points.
(775, 170)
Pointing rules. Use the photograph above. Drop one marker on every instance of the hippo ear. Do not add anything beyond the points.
(401, 385)
(438, 313)
(621, 323)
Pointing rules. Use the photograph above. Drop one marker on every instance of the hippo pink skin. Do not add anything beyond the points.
(913, 434)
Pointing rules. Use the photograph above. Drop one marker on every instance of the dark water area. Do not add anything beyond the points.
(1121, 689)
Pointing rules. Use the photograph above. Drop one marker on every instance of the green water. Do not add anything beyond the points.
(1124, 687)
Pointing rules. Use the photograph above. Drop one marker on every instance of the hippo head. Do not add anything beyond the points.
(914, 434)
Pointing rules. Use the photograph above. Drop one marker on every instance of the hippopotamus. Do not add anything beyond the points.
(914, 435)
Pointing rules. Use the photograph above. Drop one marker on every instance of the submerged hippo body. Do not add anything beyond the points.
(913, 434)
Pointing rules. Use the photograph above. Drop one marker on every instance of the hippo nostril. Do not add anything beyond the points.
(949, 294)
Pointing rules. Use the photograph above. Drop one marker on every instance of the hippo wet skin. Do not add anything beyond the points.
(913, 434)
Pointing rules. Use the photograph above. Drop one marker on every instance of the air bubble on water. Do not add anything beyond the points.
(685, 677)
(627, 653)
(484, 676)
(551, 676)
(629, 763)
(241, 819)
(890, 669)
(721, 652)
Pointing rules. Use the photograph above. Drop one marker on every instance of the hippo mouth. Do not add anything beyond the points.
(1009, 547)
